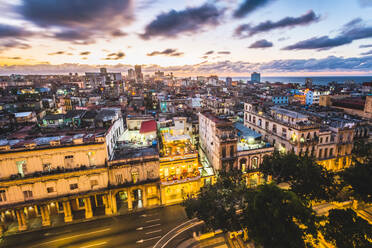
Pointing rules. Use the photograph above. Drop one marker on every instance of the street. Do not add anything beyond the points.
(139, 229)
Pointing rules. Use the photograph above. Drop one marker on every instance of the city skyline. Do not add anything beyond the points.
(277, 38)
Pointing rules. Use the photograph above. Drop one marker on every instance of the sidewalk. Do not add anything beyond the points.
(34, 224)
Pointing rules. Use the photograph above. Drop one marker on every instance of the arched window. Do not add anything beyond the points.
(254, 163)
(243, 164)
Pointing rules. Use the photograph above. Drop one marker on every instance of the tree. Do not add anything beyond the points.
(359, 175)
(306, 178)
(345, 229)
(278, 218)
(217, 204)
(272, 217)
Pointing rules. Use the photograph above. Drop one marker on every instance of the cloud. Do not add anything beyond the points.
(367, 53)
(330, 64)
(57, 53)
(246, 30)
(189, 20)
(354, 30)
(167, 52)
(261, 44)
(15, 58)
(365, 46)
(248, 6)
(365, 3)
(8, 31)
(12, 43)
(70, 17)
(118, 33)
(84, 53)
(115, 56)
(224, 52)
(209, 52)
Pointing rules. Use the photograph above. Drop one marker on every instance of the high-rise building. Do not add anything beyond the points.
(103, 70)
(138, 71)
(131, 74)
(308, 83)
(228, 81)
(255, 77)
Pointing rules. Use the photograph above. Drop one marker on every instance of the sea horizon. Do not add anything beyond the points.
(317, 80)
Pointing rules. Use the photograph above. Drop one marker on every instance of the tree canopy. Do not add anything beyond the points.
(359, 175)
(345, 229)
(272, 217)
(306, 178)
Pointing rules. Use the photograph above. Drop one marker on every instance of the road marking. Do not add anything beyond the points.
(152, 220)
(74, 236)
(175, 229)
(144, 240)
(102, 243)
(143, 227)
(153, 231)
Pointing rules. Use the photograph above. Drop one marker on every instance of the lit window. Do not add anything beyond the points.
(27, 194)
(73, 186)
(50, 190)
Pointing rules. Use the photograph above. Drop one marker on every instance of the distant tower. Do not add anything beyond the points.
(228, 81)
(131, 74)
(103, 70)
(308, 83)
(256, 77)
(138, 71)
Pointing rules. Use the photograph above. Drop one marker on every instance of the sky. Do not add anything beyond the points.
(188, 38)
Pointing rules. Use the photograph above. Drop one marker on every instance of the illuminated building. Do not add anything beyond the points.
(180, 173)
(290, 130)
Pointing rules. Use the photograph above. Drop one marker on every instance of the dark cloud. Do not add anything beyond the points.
(283, 38)
(167, 52)
(57, 53)
(84, 53)
(7, 31)
(354, 30)
(118, 33)
(224, 52)
(204, 57)
(115, 56)
(261, 44)
(91, 18)
(189, 20)
(209, 52)
(367, 53)
(365, 46)
(12, 43)
(248, 6)
(246, 30)
(16, 58)
(329, 64)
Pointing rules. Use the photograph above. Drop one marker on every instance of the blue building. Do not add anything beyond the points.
(280, 100)
(255, 77)
(309, 97)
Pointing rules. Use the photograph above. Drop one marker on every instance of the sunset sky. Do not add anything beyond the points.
(193, 37)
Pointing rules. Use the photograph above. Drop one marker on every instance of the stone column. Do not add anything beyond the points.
(113, 203)
(21, 220)
(130, 203)
(144, 196)
(67, 211)
(45, 216)
(88, 208)
(107, 202)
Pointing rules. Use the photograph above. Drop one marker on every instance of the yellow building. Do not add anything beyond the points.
(179, 168)
(49, 176)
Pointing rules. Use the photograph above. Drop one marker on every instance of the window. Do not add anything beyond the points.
(69, 161)
(325, 152)
(254, 163)
(73, 186)
(2, 196)
(284, 132)
(274, 128)
(320, 153)
(254, 120)
(223, 152)
(50, 190)
(326, 140)
(321, 140)
(135, 176)
(93, 182)
(22, 167)
(331, 152)
(119, 178)
(47, 167)
(259, 122)
(266, 125)
(27, 194)
(231, 151)
(250, 119)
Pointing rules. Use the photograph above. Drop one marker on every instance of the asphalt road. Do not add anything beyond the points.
(140, 230)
